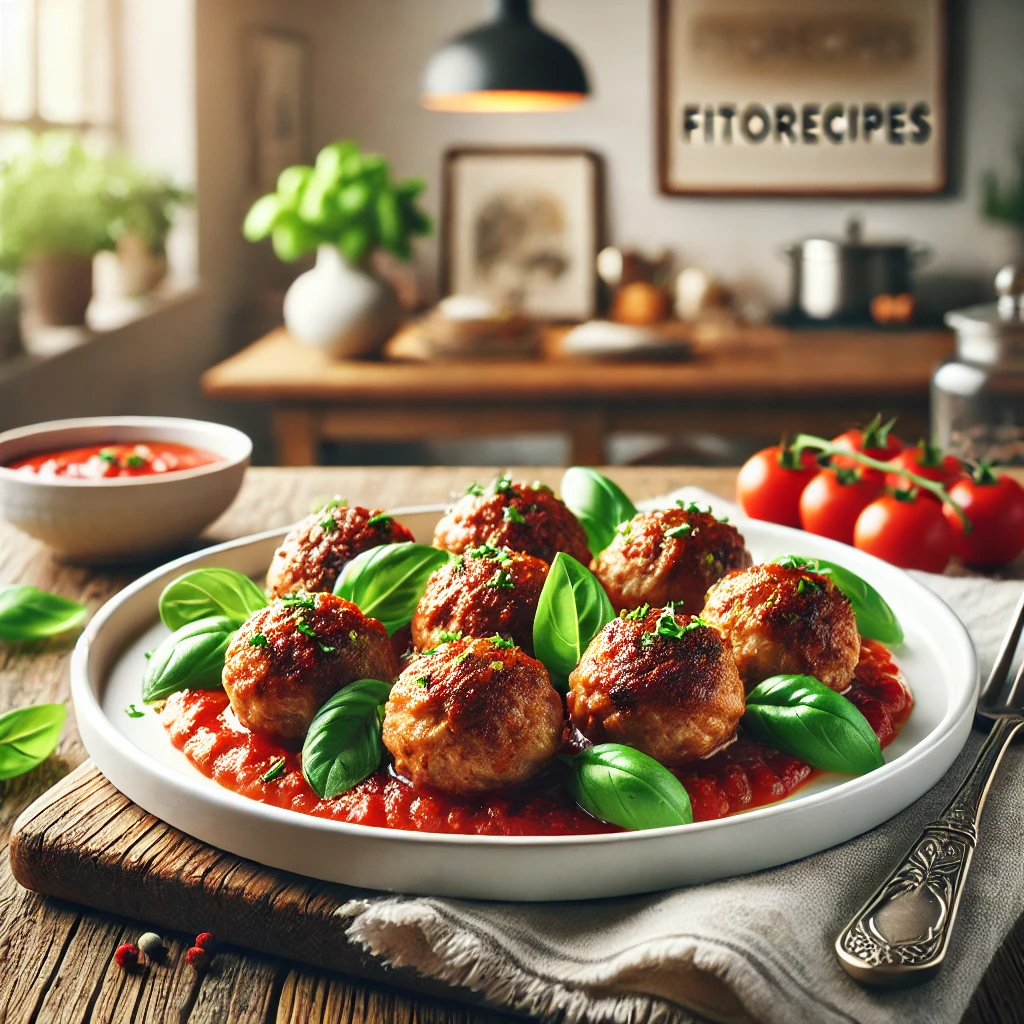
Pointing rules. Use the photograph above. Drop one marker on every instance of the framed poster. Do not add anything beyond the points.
(799, 97)
(522, 227)
(278, 72)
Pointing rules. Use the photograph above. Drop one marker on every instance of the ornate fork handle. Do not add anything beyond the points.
(901, 934)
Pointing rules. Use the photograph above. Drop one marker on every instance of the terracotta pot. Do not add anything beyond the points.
(140, 269)
(61, 288)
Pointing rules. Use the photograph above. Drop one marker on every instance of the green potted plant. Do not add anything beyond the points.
(344, 208)
(55, 213)
(1004, 200)
(10, 310)
(143, 208)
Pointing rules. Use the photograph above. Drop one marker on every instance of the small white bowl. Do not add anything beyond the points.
(124, 518)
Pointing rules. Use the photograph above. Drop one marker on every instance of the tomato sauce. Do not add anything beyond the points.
(105, 461)
(741, 776)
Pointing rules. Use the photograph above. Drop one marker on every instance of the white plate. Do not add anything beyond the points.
(137, 756)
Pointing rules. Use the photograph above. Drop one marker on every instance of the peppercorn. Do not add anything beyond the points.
(198, 958)
(126, 956)
(152, 945)
(205, 940)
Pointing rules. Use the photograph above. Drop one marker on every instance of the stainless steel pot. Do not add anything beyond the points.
(836, 279)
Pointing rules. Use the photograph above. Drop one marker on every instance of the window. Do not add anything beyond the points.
(57, 69)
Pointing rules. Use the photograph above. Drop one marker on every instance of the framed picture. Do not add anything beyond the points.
(522, 227)
(278, 72)
(798, 97)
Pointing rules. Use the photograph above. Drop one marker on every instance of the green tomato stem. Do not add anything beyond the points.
(820, 444)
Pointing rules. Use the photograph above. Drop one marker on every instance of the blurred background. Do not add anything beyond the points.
(623, 231)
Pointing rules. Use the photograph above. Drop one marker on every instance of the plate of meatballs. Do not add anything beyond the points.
(525, 695)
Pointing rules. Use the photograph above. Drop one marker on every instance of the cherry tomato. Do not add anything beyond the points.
(831, 502)
(995, 507)
(906, 529)
(875, 440)
(928, 461)
(771, 482)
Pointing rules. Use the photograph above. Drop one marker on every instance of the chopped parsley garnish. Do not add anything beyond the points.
(328, 506)
(149, 654)
(475, 489)
(259, 640)
(353, 636)
(709, 558)
(423, 681)
(500, 641)
(696, 507)
(134, 461)
(771, 600)
(805, 584)
(541, 488)
(503, 485)
(275, 771)
(497, 666)
(328, 524)
(446, 636)
(325, 648)
(512, 515)
(624, 529)
(108, 456)
(668, 626)
(298, 601)
(460, 658)
(305, 628)
(490, 552)
(133, 712)
(680, 531)
(500, 580)
(637, 614)
(381, 521)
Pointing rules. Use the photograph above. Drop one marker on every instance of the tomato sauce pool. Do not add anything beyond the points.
(107, 461)
(743, 775)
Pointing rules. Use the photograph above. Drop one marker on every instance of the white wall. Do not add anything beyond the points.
(370, 54)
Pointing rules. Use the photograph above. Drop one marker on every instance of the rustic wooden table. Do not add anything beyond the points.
(55, 958)
(758, 384)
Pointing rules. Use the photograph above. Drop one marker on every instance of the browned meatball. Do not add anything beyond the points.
(289, 657)
(673, 554)
(471, 717)
(316, 550)
(515, 515)
(786, 621)
(660, 681)
(484, 592)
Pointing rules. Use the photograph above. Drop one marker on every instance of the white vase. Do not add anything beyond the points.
(344, 310)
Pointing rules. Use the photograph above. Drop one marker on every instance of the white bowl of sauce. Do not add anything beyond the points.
(118, 489)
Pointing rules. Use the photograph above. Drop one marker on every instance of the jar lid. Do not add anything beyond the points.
(1000, 320)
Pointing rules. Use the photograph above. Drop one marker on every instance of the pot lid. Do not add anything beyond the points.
(1003, 318)
(823, 247)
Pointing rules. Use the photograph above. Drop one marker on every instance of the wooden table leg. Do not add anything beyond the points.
(588, 435)
(296, 436)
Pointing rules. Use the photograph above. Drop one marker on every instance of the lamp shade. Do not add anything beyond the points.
(508, 64)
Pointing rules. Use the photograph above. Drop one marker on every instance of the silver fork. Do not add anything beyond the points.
(900, 936)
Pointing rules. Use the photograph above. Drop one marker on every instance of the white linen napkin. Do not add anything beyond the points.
(758, 947)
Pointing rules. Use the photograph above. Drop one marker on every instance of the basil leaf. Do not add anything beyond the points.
(343, 744)
(572, 609)
(205, 592)
(803, 717)
(875, 619)
(388, 581)
(191, 658)
(623, 786)
(597, 503)
(28, 736)
(30, 614)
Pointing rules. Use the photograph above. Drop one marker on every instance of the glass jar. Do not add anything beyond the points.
(978, 397)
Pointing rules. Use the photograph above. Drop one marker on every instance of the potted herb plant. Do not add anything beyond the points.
(143, 208)
(10, 313)
(55, 213)
(344, 208)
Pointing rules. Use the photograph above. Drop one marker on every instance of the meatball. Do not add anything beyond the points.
(316, 550)
(519, 516)
(289, 657)
(780, 620)
(484, 592)
(660, 681)
(671, 555)
(473, 716)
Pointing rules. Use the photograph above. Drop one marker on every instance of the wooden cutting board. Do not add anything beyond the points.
(85, 842)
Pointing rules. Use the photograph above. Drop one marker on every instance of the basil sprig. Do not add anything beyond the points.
(597, 503)
(572, 609)
(28, 736)
(205, 592)
(875, 619)
(27, 613)
(343, 745)
(624, 786)
(803, 717)
(191, 658)
(387, 582)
